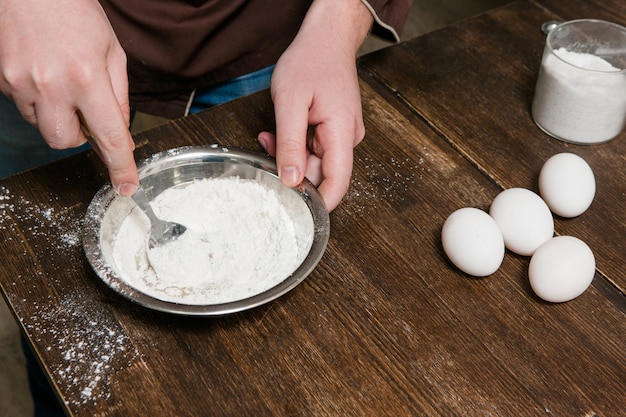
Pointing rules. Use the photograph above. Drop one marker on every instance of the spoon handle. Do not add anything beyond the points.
(143, 203)
(158, 227)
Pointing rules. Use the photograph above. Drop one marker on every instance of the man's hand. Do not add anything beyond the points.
(61, 58)
(317, 99)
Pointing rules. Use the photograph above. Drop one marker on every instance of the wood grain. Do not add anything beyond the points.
(385, 325)
(474, 83)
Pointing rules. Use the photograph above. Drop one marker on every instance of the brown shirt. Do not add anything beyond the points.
(176, 46)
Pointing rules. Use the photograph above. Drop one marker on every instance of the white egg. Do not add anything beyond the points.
(524, 220)
(473, 242)
(567, 184)
(561, 269)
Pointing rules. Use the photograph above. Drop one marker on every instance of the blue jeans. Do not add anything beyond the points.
(230, 90)
(22, 147)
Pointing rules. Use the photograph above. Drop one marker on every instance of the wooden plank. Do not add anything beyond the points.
(500, 312)
(609, 10)
(474, 83)
(385, 325)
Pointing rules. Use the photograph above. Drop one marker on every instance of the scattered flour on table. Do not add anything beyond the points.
(240, 241)
(383, 179)
(60, 228)
(90, 347)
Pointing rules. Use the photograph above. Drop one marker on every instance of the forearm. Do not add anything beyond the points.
(344, 23)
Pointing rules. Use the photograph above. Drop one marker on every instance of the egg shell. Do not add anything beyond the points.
(472, 241)
(523, 218)
(561, 269)
(567, 184)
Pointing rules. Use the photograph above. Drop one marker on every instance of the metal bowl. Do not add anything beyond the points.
(181, 165)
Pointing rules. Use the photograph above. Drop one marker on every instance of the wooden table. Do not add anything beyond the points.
(385, 325)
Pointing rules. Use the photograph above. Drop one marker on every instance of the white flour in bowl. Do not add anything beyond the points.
(240, 241)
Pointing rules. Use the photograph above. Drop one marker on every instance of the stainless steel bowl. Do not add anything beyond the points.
(177, 166)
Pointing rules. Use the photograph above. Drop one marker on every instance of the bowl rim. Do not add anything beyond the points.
(100, 203)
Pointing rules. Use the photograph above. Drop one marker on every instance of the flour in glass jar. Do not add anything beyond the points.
(580, 97)
(240, 241)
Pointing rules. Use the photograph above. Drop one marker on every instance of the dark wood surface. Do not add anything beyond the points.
(385, 325)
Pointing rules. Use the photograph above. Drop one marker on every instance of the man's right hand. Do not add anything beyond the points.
(61, 58)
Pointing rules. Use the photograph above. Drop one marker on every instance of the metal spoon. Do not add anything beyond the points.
(161, 231)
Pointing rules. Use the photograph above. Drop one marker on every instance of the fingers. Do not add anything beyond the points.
(63, 128)
(110, 127)
(336, 163)
(112, 141)
(268, 141)
(104, 116)
(59, 125)
(314, 169)
(313, 165)
(119, 81)
(328, 169)
(291, 129)
(104, 122)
